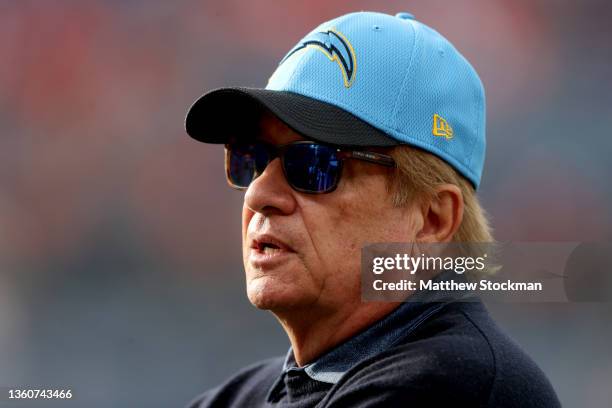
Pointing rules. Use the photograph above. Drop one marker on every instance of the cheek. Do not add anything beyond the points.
(337, 232)
(247, 215)
(364, 214)
(361, 219)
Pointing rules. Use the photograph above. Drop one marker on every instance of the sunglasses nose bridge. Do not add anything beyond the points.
(273, 162)
(270, 193)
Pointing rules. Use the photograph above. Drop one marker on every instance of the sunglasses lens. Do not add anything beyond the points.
(244, 163)
(312, 168)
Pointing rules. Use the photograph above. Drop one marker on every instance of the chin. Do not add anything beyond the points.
(268, 294)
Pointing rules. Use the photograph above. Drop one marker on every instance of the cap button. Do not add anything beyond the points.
(405, 16)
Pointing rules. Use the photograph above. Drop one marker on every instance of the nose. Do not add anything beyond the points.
(270, 193)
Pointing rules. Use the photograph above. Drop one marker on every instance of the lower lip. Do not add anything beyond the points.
(266, 260)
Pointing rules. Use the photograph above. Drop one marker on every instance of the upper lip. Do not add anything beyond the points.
(260, 241)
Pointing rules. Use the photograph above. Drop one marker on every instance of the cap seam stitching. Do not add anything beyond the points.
(298, 66)
(476, 133)
(393, 121)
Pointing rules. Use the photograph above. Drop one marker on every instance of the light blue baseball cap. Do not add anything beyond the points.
(364, 79)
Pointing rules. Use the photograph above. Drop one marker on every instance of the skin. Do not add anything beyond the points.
(312, 284)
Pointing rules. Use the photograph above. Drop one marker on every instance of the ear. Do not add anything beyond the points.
(442, 215)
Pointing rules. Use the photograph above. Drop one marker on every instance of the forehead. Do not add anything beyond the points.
(272, 130)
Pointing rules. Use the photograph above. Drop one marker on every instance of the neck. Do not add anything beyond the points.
(314, 332)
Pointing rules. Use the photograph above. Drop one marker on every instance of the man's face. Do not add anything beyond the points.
(314, 255)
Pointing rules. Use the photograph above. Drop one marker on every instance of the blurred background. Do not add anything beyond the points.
(120, 260)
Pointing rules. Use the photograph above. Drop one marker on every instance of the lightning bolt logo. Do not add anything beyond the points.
(336, 47)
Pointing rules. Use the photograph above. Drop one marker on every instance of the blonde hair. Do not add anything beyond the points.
(416, 177)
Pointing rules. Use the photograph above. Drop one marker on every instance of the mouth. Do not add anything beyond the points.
(269, 244)
(266, 248)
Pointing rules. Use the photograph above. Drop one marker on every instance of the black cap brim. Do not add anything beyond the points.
(227, 113)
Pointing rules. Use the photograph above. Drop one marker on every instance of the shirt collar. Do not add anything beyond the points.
(382, 335)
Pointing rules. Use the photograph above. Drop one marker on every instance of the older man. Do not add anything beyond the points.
(370, 130)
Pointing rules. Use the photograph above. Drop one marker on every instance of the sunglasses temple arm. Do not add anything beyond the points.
(372, 157)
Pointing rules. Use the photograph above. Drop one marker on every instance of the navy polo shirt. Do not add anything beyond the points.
(442, 352)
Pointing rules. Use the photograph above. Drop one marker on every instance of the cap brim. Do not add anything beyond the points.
(227, 113)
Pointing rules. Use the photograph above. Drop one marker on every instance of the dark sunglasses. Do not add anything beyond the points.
(309, 167)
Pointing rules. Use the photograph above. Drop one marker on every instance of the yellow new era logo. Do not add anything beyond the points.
(441, 127)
